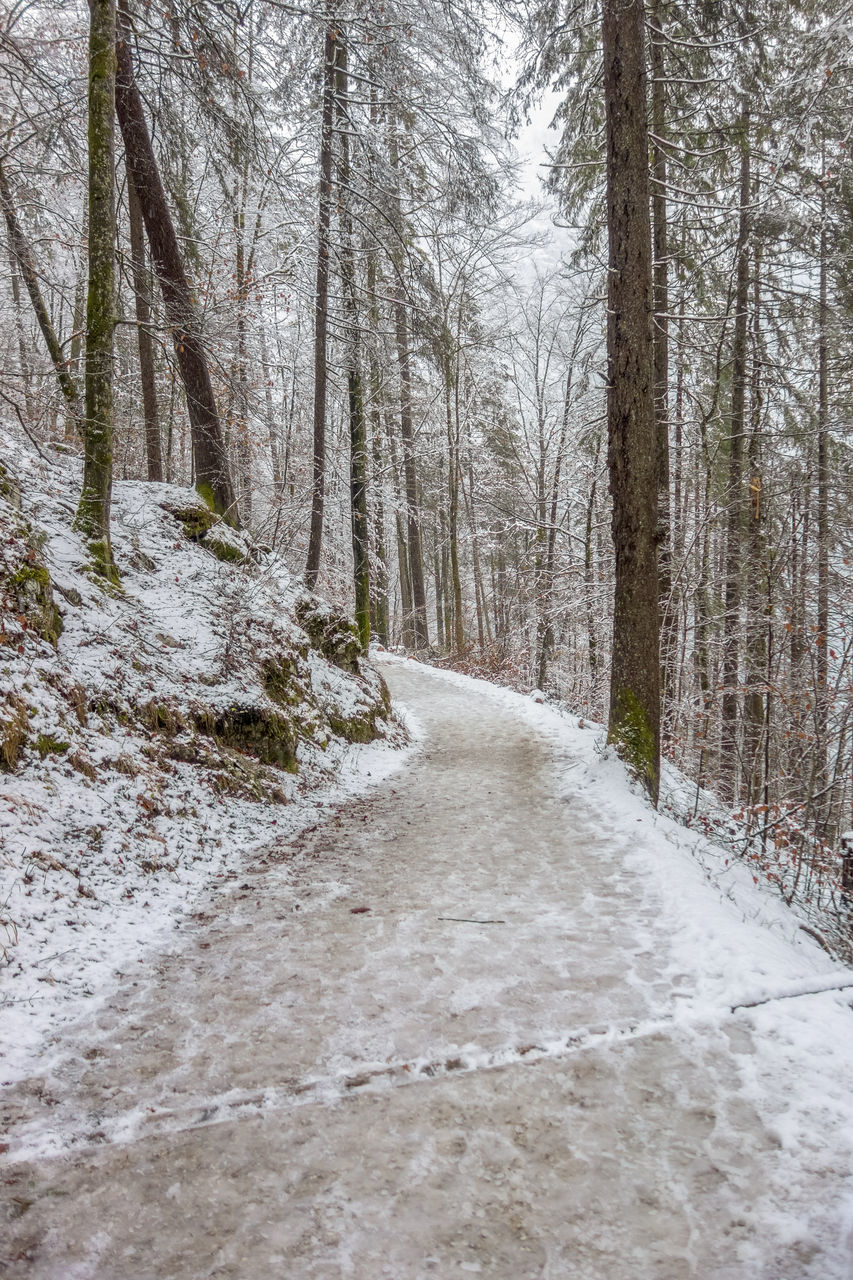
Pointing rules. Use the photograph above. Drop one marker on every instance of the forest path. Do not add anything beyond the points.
(336, 1074)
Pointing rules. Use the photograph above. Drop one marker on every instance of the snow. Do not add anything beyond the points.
(106, 845)
(502, 1016)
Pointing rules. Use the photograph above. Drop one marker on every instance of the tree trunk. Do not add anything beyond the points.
(660, 331)
(634, 722)
(407, 631)
(321, 311)
(379, 579)
(23, 358)
(357, 420)
(451, 383)
(401, 330)
(822, 694)
(20, 253)
(756, 626)
(142, 298)
(210, 460)
(729, 756)
(93, 511)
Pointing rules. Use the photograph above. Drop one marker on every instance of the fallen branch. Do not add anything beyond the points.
(466, 920)
(808, 987)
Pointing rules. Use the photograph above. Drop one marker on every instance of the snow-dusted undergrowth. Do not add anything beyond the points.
(171, 728)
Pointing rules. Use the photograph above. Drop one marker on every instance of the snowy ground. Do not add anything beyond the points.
(120, 807)
(494, 1018)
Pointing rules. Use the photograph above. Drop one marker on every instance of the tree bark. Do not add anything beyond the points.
(401, 331)
(142, 299)
(321, 311)
(23, 358)
(634, 721)
(355, 386)
(93, 510)
(822, 696)
(729, 755)
(757, 620)
(210, 460)
(21, 256)
(661, 350)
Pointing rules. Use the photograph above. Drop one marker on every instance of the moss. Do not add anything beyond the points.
(205, 492)
(281, 681)
(196, 520)
(634, 739)
(267, 735)
(224, 550)
(333, 634)
(46, 745)
(100, 562)
(358, 728)
(31, 587)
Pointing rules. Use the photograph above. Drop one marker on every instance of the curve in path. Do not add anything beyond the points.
(437, 1035)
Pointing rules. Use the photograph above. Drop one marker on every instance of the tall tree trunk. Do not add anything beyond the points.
(272, 425)
(407, 629)
(210, 460)
(93, 510)
(669, 621)
(589, 573)
(321, 310)
(142, 299)
(729, 755)
(822, 694)
(401, 331)
(355, 385)
(451, 383)
(756, 626)
(379, 579)
(242, 272)
(634, 721)
(20, 252)
(23, 357)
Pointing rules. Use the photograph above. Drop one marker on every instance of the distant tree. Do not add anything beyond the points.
(22, 260)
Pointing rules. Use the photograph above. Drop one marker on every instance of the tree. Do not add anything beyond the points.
(22, 260)
(321, 309)
(634, 723)
(93, 511)
(212, 475)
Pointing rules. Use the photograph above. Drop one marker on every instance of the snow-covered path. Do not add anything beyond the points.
(339, 1073)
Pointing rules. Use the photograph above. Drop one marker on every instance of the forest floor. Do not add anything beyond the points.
(480, 1021)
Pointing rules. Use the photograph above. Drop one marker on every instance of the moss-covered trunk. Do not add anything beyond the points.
(93, 512)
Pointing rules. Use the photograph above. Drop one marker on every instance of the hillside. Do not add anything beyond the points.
(148, 732)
